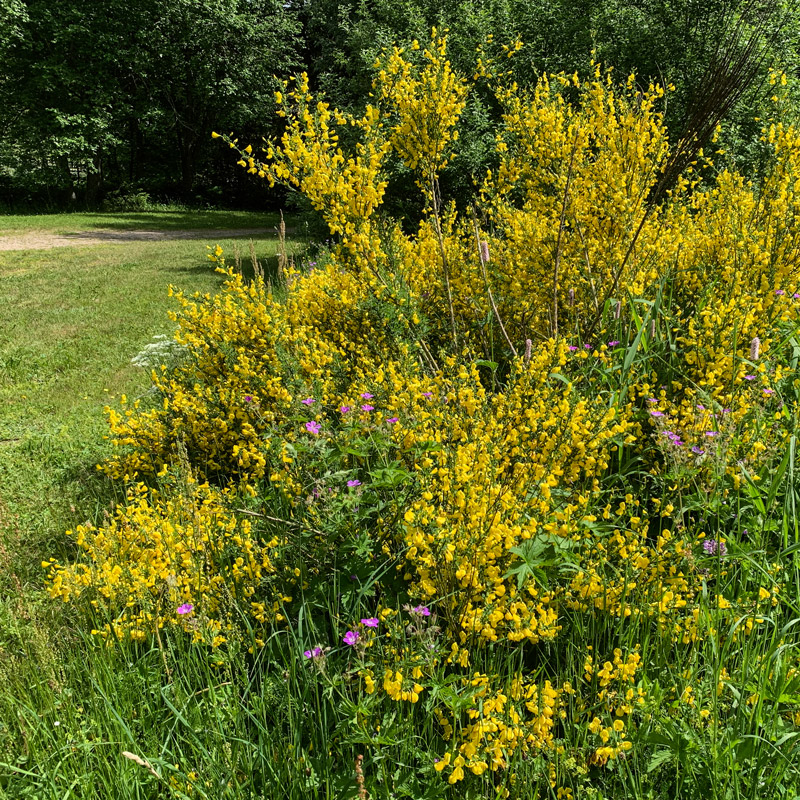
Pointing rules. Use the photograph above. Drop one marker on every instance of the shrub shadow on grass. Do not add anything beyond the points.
(87, 496)
(267, 263)
(183, 220)
(201, 268)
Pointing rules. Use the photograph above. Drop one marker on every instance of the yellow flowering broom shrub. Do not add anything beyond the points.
(510, 429)
(174, 556)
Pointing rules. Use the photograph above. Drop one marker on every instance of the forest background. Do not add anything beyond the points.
(109, 105)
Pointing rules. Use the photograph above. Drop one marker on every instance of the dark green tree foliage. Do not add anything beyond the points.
(211, 64)
(97, 95)
(112, 92)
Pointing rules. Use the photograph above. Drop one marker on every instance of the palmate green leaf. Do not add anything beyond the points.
(389, 477)
(456, 702)
(658, 758)
(537, 554)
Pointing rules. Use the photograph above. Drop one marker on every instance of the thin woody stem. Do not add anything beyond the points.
(489, 288)
(561, 223)
(445, 267)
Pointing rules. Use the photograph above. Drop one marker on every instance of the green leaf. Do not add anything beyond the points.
(658, 758)
(753, 491)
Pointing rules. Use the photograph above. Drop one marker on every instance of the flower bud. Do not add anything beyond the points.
(755, 347)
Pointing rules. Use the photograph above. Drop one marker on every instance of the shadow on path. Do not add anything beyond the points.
(45, 241)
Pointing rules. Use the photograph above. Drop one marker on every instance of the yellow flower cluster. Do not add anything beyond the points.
(500, 724)
(494, 483)
(175, 556)
(346, 189)
(616, 697)
(426, 103)
(393, 685)
(566, 202)
(501, 468)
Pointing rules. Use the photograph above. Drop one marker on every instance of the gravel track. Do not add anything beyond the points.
(46, 241)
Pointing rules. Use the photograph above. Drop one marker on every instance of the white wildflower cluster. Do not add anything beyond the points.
(162, 350)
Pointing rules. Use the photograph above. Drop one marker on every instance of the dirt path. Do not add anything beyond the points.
(44, 241)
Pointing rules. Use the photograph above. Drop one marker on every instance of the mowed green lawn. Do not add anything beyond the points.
(72, 318)
(121, 221)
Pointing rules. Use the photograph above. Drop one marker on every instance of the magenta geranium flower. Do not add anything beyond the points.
(248, 398)
(353, 483)
(367, 407)
(423, 610)
(351, 637)
(309, 401)
(345, 409)
(371, 622)
(392, 420)
(186, 608)
(656, 413)
(367, 395)
(313, 426)
(315, 653)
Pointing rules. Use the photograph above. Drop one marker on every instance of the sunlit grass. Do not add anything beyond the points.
(73, 319)
(156, 220)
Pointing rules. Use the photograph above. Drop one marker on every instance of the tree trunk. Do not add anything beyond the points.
(135, 142)
(94, 180)
(187, 146)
